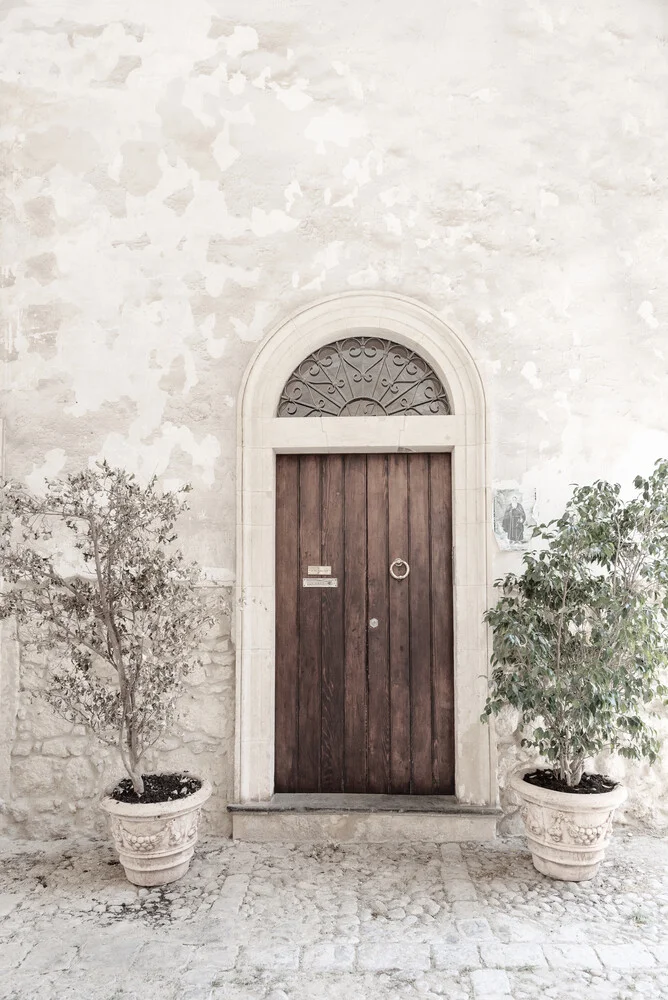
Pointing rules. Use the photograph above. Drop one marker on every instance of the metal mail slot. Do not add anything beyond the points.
(319, 571)
(328, 581)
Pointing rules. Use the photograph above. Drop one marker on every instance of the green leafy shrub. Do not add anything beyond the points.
(580, 637)
(124, 627)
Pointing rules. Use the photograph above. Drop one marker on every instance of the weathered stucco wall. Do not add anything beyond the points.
(181, 176)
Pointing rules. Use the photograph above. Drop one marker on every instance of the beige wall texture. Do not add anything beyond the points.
(179, 177)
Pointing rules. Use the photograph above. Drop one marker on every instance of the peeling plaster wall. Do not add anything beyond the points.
(181, 176)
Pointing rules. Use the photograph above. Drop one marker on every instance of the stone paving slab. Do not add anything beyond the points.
(328, 922)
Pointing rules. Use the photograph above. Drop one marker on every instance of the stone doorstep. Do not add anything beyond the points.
(362, 818)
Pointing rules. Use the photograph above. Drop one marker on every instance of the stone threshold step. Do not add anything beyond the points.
(300, 818)
(348, 802)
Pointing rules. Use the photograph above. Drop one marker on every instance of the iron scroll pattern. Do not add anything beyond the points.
(362, 377)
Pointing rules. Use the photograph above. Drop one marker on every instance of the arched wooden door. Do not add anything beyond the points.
(364, 633)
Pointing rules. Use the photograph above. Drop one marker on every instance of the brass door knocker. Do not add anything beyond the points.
(399, 569)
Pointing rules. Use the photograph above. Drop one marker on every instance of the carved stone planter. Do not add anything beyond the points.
(567, 833)
(155, 841)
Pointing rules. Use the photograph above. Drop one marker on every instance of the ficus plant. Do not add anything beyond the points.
(121, 628)
(580, 636)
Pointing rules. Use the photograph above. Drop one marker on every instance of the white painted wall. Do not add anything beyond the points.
(183, 176)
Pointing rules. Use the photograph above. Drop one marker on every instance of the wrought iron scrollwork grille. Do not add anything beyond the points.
(363, 376)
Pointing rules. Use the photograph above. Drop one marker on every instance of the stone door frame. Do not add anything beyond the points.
(262, 435)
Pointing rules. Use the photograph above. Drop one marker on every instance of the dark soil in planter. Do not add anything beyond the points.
(590, 784)
(157, 788)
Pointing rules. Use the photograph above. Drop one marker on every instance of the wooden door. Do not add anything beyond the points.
(364, 668)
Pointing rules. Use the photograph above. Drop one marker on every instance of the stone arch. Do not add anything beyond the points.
(262, 434)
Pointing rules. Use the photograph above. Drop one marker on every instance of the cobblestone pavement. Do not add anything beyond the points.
(327, 922)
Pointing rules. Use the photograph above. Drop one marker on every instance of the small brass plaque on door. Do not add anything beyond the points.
(319, 571)
(323, 581)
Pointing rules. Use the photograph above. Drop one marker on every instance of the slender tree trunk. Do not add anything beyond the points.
(136, 775)
(132, 762)
(131, 759)
(135, 762)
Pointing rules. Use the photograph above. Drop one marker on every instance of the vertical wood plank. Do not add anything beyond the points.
(400, 712)
(420, 640)
(443, 713)
(309, 626)
(355, 628)
(332, 655)
(287, 621)
(378, 638)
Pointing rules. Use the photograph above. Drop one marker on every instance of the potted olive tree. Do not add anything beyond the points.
(121, 628)
(580, 649)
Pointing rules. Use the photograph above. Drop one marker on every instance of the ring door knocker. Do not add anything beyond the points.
(399, 569)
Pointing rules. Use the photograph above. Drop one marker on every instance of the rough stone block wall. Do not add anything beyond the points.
(59, 770)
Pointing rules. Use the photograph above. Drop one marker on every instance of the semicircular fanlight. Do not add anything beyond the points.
(362, 377)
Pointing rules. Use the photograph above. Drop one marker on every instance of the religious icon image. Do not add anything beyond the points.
(514, 520)
(514, 516)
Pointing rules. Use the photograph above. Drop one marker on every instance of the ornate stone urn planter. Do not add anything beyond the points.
(567, 833)
(155, 841)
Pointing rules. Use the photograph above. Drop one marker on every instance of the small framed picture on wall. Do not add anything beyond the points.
(514, 516)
